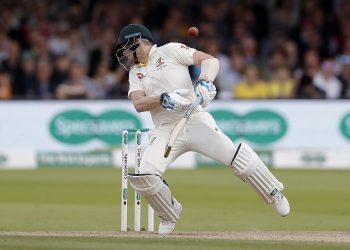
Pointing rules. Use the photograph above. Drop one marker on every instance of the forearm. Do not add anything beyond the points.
(209, 69)
(209, 65)
(146, 103)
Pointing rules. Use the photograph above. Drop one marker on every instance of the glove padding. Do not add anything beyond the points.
(207, 90)
(176, 101)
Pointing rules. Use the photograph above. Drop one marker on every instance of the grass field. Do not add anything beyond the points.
(83, 200)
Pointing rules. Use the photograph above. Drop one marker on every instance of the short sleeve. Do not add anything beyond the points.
(134, 82)
(180, 53)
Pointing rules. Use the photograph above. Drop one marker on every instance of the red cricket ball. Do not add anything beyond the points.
(193, 31)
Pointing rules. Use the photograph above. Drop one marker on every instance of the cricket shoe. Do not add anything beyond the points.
(280, 203)
(167, 227)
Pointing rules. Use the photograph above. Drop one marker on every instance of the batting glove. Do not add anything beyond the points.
(207, 90)
(176, 101)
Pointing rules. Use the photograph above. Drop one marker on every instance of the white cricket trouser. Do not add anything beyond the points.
(200, 134)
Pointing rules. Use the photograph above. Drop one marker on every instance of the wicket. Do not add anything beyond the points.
(124, 191)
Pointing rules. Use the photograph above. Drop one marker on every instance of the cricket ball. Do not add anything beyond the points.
(193, 31)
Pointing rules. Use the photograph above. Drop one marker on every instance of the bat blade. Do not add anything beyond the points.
(167, 151)
(176, 131)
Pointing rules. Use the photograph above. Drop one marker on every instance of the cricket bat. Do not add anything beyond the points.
(179, 126)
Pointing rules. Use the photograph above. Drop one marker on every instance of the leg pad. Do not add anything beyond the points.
(247, 165)
(157, 194)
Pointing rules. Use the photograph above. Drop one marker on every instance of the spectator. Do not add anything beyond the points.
(79, 86)
(43, 87)
(284, 14)
(77, 51)
(5, 86)
(256, 18)
(277, 59)
(307, 90)
(27, 76)
(104, 79)
(105, 52)
(86, 31)
(223, 77)
(343, 64)
(252, 87)
(327, 81)
(173, 27)
(239, 32)
(282, 85)
(311, 65)
(12, 65)
(233, 75)
(40, 46)
(4, 44)
(291, 50)
(59, 42)
(345, 78)
(120, 87)
(250, 50)
(60, 72)
(91, 35)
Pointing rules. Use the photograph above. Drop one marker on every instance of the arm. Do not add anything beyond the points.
(200, 56)
(209, 69)
(144, 103)
(209, 65)
(172, 102)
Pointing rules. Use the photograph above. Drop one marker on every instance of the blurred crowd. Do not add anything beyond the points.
(275, 49)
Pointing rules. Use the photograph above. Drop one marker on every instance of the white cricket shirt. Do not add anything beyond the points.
(165, 72)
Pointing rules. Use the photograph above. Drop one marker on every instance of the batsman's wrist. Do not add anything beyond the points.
(197, 82)
(161, 99)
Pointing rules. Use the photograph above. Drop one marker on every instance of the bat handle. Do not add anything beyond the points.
(167, 151)
(194, 105)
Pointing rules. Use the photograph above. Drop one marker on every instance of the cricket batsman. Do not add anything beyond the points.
(160, 83)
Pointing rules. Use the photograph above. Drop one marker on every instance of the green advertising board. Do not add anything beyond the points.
(345, 126)
(74, 159)
(257, 126)
(79, 126)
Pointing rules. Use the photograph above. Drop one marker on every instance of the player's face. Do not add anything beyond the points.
(129, 55)
(125, 54)
(142, 52)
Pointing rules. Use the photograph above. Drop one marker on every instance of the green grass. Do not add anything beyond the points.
(213, 200)
(38, 243)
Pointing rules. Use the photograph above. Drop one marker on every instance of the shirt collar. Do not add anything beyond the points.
(151, 52)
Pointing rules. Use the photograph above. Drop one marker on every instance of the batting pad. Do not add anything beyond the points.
(157, 194)
(247, 165)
